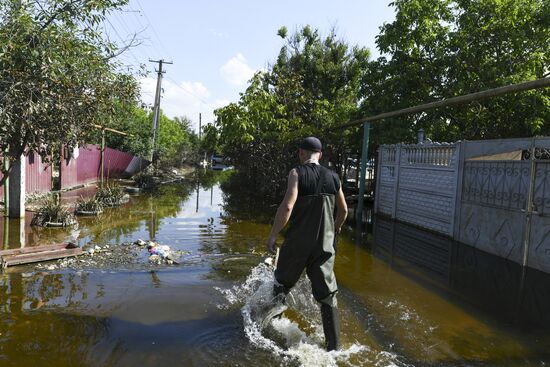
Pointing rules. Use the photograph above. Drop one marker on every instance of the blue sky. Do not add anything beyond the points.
(217, 45)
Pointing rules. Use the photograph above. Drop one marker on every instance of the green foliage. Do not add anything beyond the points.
(313, 86)
(438, 49)
(210, 142)
(89, 205)
(173, 140)
(110, 195)
(51, 211)
(57, 73)
(176, 144)
(434, 50)
(134, 121)
(282, 32)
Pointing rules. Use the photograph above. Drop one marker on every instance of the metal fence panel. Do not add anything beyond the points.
(387, 180)
(88, 160)
(116, 163)
(67, 169)
(38, 175)
(418, 185)
(539, 241)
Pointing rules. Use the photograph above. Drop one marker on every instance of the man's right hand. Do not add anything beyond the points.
(272, 245)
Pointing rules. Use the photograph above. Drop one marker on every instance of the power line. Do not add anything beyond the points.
(192, 94)
(123, 41)
(136, 22)
(153, 29)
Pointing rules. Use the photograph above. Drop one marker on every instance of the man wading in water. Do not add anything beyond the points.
(308, 207)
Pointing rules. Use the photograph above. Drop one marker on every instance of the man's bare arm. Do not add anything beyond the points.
(341, 210)
(284, 210)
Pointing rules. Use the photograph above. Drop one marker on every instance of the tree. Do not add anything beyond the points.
(312, 87)
(137, 123)
(57, 74)
(438, 49)
(176, 144)
(173, 138)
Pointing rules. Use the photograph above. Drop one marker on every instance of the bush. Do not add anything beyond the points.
(144, 179)
(89, 205)
(110, 195)
(51, 211)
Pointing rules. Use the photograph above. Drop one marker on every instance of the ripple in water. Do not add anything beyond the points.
(284, 337)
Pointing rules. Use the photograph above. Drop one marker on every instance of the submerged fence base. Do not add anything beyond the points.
(493, 195)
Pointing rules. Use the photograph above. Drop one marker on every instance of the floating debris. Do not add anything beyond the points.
(160, 254)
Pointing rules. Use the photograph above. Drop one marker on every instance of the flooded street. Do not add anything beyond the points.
(407, 298)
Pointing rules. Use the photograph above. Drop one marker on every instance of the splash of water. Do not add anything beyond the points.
(284, 337)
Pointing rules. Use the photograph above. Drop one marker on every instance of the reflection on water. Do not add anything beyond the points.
(409, 299)
(500, 287)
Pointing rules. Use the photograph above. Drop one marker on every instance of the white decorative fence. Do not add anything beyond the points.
(417, 184)
(493, 195)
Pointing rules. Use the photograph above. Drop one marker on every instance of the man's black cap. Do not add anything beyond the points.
(312, 144)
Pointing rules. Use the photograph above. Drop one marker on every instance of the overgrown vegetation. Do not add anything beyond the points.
(313, 86)
(435, 49)
(110, 195)
(58, 74)
(177, 143)
(52, 213)
(144, 179)
(89, 205)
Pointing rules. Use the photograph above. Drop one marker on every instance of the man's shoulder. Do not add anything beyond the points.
(331, 172)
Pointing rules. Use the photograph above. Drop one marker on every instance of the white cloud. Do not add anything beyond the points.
(236, 71)
(182, 99)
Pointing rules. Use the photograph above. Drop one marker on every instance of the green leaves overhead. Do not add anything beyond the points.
(313, 85)
(438, 49)
(433, 50)
(57, 77)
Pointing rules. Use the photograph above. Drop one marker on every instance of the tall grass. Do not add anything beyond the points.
(51, 211)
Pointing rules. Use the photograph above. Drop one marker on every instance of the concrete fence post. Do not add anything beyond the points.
(16, 202)
(459, 176)
(397, 178)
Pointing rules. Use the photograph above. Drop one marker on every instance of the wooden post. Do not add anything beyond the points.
(102, 164)
(6, 187)
(6, 238)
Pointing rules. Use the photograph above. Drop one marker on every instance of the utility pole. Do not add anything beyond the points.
(156, 107)
(200, 126)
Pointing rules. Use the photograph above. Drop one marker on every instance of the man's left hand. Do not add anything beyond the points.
(272, 245)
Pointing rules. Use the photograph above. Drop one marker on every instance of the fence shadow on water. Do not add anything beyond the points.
(498, 287)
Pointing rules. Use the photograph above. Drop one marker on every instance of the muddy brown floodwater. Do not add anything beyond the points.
(408, 298)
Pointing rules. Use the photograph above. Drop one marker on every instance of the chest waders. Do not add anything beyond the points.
(309, 244)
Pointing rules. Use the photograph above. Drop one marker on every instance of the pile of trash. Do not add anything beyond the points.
(98, 257)
(136, 254)
(158, 254)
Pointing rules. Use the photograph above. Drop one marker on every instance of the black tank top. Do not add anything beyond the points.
(309, 175)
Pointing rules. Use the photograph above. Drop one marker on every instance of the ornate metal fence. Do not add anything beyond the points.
(493, 195)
